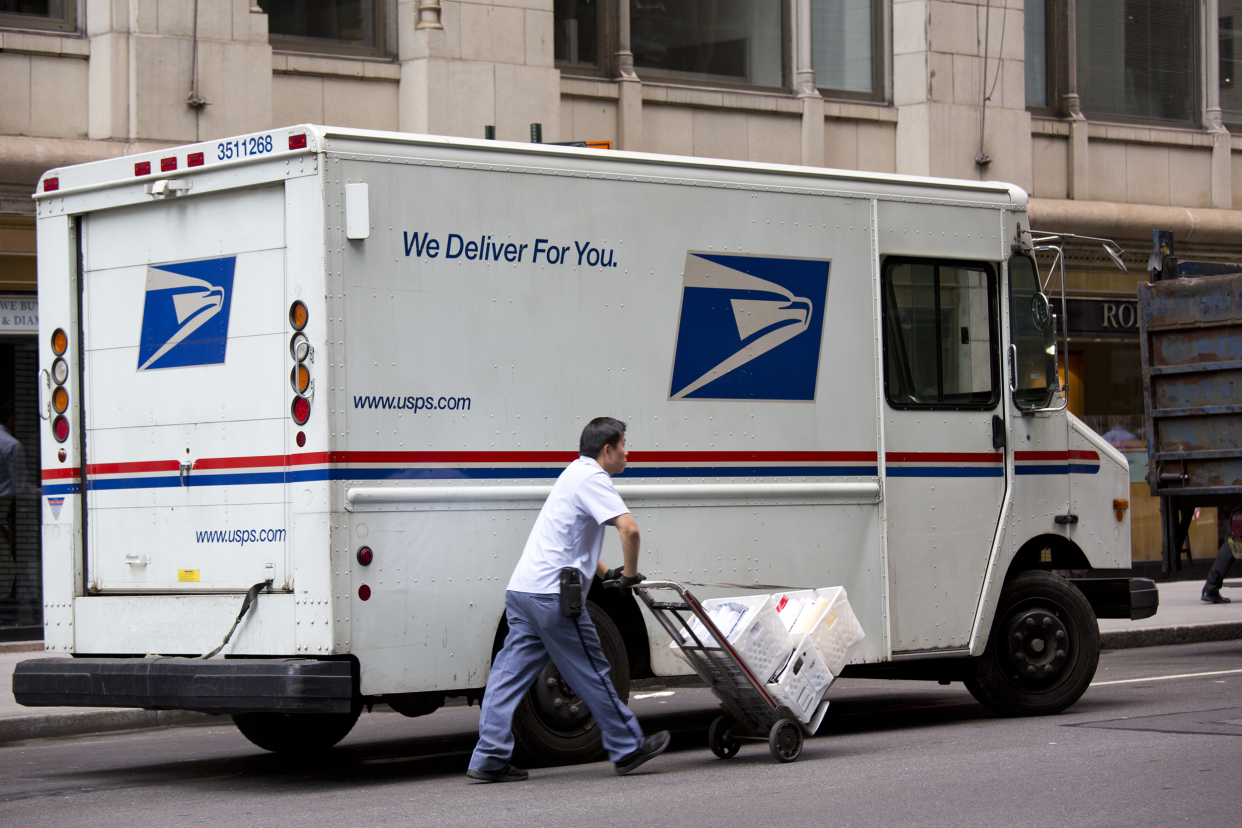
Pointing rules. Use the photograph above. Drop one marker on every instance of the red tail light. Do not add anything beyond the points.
(365, 556)
(142, 168)
(168, 164)
(51, 185)
(194, 159)
(60, 429)
(297, 141)
(301, 410)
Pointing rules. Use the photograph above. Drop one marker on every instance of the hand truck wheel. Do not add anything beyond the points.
(785, 740)
(720, 738)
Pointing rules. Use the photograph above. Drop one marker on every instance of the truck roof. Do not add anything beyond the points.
(307, 139)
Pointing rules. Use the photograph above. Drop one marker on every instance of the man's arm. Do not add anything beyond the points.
(628, 528)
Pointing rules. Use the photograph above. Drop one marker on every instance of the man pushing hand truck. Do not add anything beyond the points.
(544, 604)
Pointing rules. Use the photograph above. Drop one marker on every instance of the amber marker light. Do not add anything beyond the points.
(60, 399)
(1120, 507)
(298, 315)
(60, 342)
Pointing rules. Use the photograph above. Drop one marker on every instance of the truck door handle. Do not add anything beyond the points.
(1013, 367)
(998, 432)
(137, 560)
(45, 386)
(186, 466)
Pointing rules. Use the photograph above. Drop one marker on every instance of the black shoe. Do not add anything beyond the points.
(506, 774)
(653, 746)
(1213, 596)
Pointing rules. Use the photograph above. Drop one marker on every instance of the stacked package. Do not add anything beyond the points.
(795, 642)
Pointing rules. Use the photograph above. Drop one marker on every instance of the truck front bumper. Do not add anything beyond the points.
(1132, 598)
(285, 685)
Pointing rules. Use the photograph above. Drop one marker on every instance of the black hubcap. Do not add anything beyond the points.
(1038, 646)
(556, 704)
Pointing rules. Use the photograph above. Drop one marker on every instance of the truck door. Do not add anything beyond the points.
(945, 479)
(183, 331)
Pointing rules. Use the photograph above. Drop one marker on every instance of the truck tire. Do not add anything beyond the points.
(552, 734)
(1043, 650)
(295, 732)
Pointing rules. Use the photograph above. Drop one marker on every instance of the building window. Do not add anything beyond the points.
(734, 41)
(1136, 59)
(57, 15)
(341, 26)
(1230, 50)
(1036, 19)
(843, 46)
(577, 27)
(940, 335)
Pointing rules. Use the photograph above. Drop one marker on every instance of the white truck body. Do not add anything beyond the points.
(471, 306)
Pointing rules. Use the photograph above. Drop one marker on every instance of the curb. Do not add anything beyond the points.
(79, 724)
(1164, 636)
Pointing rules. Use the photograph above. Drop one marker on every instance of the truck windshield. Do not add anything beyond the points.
(1033, 336)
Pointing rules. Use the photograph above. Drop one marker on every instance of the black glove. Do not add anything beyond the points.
(612, 574)
(626, 581)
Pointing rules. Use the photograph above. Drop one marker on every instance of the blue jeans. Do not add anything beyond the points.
(537, 631)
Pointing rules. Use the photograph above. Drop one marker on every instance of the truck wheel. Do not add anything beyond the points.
(295, 732)
(552, 725)
(1043, 650)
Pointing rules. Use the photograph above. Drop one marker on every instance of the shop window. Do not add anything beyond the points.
(1136, 59)
(1036, 62)
(353, 27)
(843, 45)
(731, 41)
(940, 334)
(577, 27)
(21, 581)
(57, 15)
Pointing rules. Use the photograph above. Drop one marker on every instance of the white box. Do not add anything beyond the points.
(757, 634)
(824, 614)
(803, 682)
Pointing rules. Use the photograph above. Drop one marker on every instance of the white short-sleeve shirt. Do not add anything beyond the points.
(569, 530)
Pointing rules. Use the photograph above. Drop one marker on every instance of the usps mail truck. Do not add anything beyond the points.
(331, 374)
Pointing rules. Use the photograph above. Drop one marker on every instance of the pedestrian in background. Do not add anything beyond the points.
(1230, 549)
(567, 536)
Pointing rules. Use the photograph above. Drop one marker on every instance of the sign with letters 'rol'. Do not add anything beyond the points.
(750, 328)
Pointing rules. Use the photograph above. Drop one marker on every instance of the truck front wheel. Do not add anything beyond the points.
(552, 725)
(295, 732)
(1043, 650)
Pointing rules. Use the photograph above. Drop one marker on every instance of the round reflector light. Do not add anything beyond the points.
(299, 378)
(60, 341)
(364, 592)
(301, 410)
(301, 439)
(365, 556)
(60, 371)
(60, 429)
(60, 399)
(299, 348)
(298, 315)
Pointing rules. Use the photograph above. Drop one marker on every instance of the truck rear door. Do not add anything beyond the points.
(183, 331)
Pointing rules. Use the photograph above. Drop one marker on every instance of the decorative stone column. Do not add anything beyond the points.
(804, 82)
(629, 87)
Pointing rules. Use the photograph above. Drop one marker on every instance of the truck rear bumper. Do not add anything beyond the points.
(1132, 598)
(218, 686)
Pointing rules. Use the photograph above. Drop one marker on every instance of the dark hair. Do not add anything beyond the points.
(600, 432)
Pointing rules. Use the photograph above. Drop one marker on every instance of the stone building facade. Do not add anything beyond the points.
(1116, 115)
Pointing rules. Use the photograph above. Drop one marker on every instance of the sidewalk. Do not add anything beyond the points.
(1182, 619)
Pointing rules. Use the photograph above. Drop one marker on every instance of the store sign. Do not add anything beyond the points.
(1100, 318)
(19, 314)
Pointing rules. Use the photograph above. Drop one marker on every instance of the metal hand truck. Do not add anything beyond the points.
(751, 712)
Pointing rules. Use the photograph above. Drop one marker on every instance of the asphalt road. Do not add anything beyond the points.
(1153, 742)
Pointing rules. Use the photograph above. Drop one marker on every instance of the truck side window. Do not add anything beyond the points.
(940, 334)
(1032, 335)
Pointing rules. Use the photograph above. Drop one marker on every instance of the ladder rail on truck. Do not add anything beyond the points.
(1190, 328)
(340, 369)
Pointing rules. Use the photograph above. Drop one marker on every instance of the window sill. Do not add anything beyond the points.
(1186, 136)
(299, 63)
(712, 97)
(40, 43)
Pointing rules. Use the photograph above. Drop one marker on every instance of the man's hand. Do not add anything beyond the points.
(618, 578)
(611, 574)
